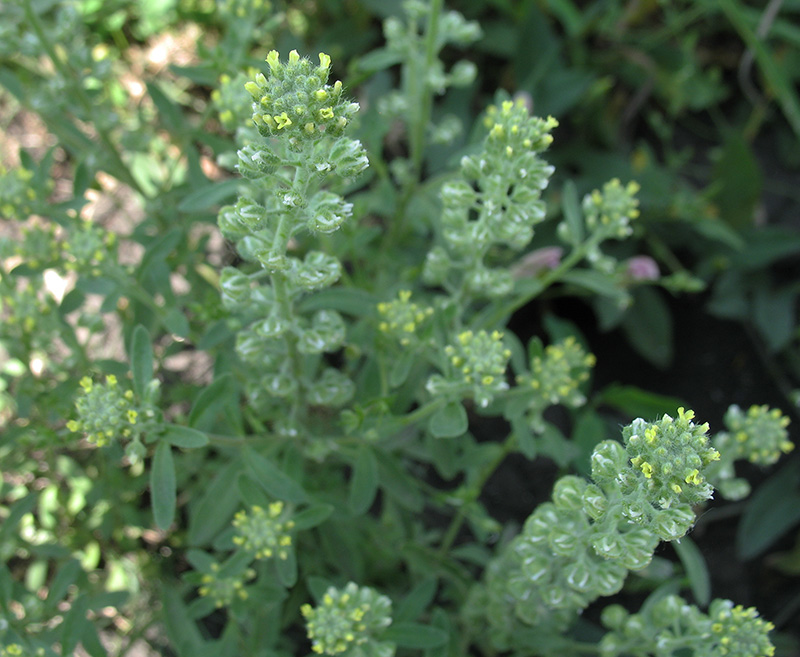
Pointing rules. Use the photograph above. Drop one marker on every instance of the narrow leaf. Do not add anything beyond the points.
(207, 403)
(67, 574)
(771, 511)
(141, 354)
(162, 485)
(314, 515)
(416, 601)
(216, 506)
(286, 569)
(209, 196)
(276, 482)
(696, 569)
(184, 437)
(169, 112)
(415, 635)
(572, 212)
(364, 481)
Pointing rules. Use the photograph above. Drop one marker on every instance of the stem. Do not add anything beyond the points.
(546, 280)
(473, 493)
(419, 92)
(68, 73)
(423, 91)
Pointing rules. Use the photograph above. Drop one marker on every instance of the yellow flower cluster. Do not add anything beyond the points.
(480, 357)
(104, 411)
(224, 589)
(759, 434)
(347, 618)
(557, 374)
(401, 318)
(264, 532)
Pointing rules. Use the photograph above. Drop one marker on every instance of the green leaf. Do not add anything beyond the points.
(209, 196)
(141, 354)
(635, 402)
(449, 421)
(648, 326)
(401, 368)
(771, 511)
(176, 323)
(6, 587)
(208, 401)
(774, 315)
(696, 569)
(18, 509)
(274, 481)
(162, 485)
(250, 492)
(397, 483)
(181, 629)
(526, 441)
(286, 569)
(313, 516)
(351, 301)
(589, 429)
(415, 635)
(75, 622)
(214, 509)
(157, 252)
(737, 182)
(169, 112)
(66, 575)
(363, 481)
(594, 281)
(416, 601)
(184, 437)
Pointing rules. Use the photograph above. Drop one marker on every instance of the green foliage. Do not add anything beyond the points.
(261, 409)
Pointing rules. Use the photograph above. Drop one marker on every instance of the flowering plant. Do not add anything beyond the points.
(318, 480)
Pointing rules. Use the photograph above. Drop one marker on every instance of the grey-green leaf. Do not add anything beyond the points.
(141, 355)
(449, 422)
(162, 485)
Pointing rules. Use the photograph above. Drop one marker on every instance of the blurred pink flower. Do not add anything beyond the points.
(548, 257)
(643, 268)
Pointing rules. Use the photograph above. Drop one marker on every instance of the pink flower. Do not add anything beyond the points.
(643, 268)
(548, 257)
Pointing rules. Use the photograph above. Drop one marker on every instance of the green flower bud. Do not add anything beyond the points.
(316, 271)
(437, 265)
(327, 333)
(327, 211)
(610, 212)
(758, 435)
(333, 388)
(568, 493)
(272, 327)
(348, 157)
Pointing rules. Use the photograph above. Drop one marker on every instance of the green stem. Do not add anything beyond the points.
(419, 92)
(474, 491)
(68, 73)
(504, 311)
(423, 91)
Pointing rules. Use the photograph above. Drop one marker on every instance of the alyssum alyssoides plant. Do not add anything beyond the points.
(571, 551)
